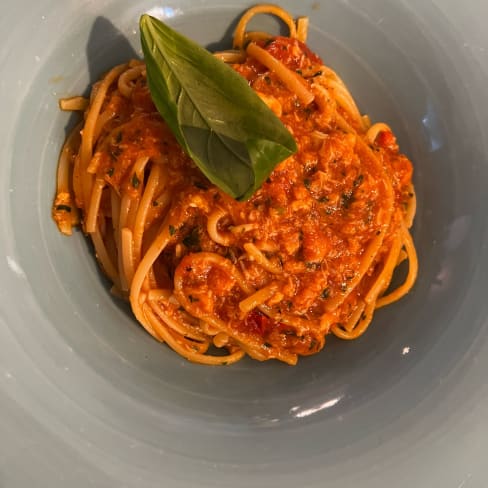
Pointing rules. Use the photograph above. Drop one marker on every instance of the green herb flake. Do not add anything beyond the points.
(192, 240)
(135, 182)
(172, 230)
(358, 181)
(325, 293)
(307, 182)
(114, 153)
(346, 199)
(118, 137)
(155, 203)
(200, 185)
(63, 208)
(267, 79)
(313, 345)
(228, 131)
(110, 172)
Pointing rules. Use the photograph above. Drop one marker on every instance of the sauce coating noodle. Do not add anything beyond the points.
(312, 252)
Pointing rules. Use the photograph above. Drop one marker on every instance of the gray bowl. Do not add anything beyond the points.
(87, 398)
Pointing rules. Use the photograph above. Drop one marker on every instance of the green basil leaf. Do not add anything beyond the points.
(230, 133)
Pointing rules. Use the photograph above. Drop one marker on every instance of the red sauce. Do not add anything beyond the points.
(314, 216)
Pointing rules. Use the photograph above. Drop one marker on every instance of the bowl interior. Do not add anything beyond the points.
(127, 387)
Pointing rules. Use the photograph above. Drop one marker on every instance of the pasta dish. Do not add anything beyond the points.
(311, 253)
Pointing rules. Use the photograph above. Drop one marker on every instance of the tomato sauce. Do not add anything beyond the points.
(312, 219)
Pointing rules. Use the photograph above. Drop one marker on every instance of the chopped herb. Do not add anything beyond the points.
(358, 181)
(111, 172)
(267, 345)
(118, 137)
(313, 344)
(267, 79)
(325, 293)
(172, 230)
(346, 199)
(200, 185)
(192, 239)
(307, 182)
(289, 304)
(65, 208)
(193, 299)
(299, 71)
(318, 73)
(115, 152)
(224, 363)
(135, 181)
(155, 203)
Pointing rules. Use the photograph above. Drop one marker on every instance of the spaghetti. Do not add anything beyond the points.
(312, 252)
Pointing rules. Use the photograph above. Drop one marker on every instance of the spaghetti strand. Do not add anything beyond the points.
(313, 252)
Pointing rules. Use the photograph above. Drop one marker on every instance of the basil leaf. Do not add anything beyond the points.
(230, 133)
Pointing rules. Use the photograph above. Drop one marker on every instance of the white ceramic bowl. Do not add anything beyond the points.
(87, 398)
